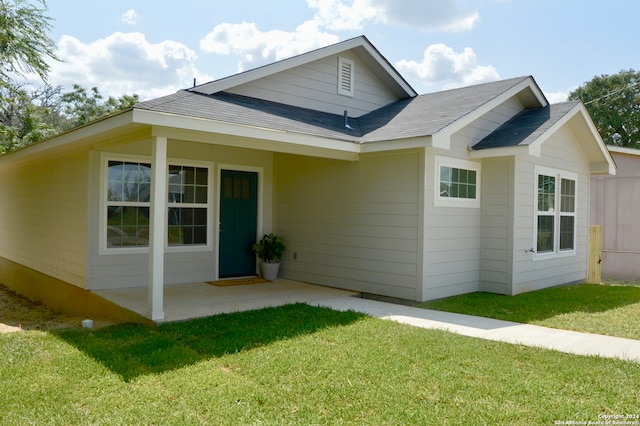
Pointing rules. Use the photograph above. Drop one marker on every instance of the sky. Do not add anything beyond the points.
(156, 47)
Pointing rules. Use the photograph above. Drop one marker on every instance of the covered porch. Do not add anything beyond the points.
(195, 300)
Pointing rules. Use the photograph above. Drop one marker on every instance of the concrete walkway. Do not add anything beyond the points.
(572, 342)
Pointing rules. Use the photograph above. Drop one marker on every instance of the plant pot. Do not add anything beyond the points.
(269, 271)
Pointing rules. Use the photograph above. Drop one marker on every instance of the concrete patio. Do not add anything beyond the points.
(187, 301)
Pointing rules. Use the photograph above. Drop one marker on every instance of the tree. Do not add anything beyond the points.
(613, 101)
(25, 117)
(28, 116)
(24, 44)
(81, 107)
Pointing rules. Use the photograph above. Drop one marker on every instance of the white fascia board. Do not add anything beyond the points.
(302, 59)
(537, 144)
(595, 165)
(442, 138)
(596, 135)
(510, 151)
(623, 150)
(276, 67)
(396, 144)
(388, 69)
(192, 128)
(71, 136)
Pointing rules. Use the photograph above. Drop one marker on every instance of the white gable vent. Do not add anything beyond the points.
(346, 77)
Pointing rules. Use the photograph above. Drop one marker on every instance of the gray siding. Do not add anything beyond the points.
(315, 86)
(43, 223)
(454, 238)
(109, 271)
(351, 225)
(497, 225)
(560, 152)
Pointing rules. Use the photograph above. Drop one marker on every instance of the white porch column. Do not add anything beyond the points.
(157, 225)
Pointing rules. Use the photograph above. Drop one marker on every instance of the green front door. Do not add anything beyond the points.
(238, 223)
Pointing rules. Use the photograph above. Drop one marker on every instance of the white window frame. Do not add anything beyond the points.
(103, 204)
(556, 213)
(456, 163)
(347, 89)
(209, 206)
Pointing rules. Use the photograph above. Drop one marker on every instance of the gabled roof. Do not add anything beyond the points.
(526, 127)
(531, 128)
(419, 116)
(360, 46)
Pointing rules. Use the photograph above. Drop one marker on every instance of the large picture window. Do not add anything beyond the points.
(555, 212)
(127, 199)
(457, 183)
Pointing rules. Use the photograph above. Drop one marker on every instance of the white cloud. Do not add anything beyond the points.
(337, 16)
(440, 15)
(256, 47)
(130, 17)
(556, 97)
(125, 63)
(443, 66)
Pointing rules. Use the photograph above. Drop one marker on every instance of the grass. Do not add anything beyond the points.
(611, 309)
(299, 365)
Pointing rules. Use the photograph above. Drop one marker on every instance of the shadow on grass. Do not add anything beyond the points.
(542, 304)
(132, 350)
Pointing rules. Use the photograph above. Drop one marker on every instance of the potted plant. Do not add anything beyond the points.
(269, 249)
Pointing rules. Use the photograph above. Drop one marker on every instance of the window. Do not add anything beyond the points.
(555, 212)
(346, 77)
(457, 183)
(188, 205)
(127, 205)
(128, 196)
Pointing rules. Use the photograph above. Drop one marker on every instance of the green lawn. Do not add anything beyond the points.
(299, 365)
(610, 309)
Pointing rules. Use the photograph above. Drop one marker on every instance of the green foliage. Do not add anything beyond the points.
(81, 107)
(593, 308)
(269, 248)
(25, 117)
(24, 44)
(299, 365)
(613, 101)
(28, 116)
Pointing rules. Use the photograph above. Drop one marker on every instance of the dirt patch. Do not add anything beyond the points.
(18, 313)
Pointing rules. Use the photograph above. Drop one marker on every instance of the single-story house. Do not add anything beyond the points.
(373, 187)
(615, 205)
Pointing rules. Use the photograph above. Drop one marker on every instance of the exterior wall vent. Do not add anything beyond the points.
(346, 77)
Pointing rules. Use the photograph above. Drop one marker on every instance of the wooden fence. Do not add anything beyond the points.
(594, 274)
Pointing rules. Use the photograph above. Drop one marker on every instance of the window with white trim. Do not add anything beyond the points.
(457, 183)
(555, 226)
(127, 196)
(188, 205)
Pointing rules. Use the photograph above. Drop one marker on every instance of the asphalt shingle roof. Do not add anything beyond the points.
(526, 126)
(422, 115)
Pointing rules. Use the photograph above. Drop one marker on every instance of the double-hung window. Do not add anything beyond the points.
(188, 205)
(127, 203)
(457, 183)
(127, 196)
(555, 227)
